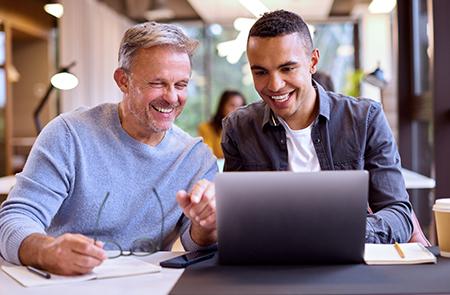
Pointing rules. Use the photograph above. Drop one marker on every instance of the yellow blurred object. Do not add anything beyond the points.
(352, 87)
(211, 138)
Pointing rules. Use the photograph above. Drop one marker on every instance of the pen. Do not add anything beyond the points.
(39, 272)
(399, 250)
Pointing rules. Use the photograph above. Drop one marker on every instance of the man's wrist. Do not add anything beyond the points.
(202, 236)
(31, 250)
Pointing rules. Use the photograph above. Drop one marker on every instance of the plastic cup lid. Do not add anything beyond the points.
(442, 205)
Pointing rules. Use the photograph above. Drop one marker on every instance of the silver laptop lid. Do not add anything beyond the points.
(291, 218)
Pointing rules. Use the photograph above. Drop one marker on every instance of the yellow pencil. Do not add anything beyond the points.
(399, 250)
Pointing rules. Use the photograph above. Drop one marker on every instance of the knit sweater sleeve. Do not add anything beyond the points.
(207, 170)
(40, 189)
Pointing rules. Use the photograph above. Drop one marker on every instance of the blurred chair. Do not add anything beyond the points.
(324, 80)
(418, 236)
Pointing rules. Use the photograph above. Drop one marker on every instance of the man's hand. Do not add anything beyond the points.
(68, 254)
(200, 207)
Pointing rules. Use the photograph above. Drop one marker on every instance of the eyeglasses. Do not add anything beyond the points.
(139, 247)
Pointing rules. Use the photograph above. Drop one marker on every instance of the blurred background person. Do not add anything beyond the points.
(324, 80)
(211, 131)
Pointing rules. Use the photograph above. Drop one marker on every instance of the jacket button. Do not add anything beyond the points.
(282, 141)
(317, 140)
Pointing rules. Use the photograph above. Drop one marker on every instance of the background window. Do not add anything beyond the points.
(212, 74)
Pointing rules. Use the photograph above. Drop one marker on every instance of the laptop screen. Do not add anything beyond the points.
(291, 218)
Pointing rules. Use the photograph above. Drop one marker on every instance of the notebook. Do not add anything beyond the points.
(414, 253)
(291, 218)
(110, 268)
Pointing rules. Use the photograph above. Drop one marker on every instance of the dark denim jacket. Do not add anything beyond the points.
(348, 134)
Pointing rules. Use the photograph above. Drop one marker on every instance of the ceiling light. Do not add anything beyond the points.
(64, 81)
(215, 29)
(382, 6)
(243, 24)
(234, 49)
(55, 9)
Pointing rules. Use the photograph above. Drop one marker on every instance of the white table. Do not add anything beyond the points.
(155, 283)
(6, 183)
(413, 180)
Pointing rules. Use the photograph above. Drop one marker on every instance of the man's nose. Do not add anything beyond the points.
(171, 95)
(275, 82)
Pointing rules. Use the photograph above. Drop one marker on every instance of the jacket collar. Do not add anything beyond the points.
(324, 100)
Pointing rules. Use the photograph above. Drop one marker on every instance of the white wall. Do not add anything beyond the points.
(378, 46)
(90, 34)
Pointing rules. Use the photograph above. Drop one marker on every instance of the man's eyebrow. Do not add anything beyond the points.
(286, 64)
(256, 67)
(155, 79)
(289, 63)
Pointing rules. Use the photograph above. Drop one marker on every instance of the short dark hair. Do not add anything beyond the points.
(279, 23)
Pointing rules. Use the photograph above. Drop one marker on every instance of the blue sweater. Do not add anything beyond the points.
(82, 155)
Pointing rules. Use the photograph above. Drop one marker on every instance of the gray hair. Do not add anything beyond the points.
(151, 34)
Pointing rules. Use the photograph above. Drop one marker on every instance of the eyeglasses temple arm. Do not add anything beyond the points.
(162, 217)
(100, 210)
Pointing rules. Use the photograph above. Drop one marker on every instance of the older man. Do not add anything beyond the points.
(298, 126)
(111, 175)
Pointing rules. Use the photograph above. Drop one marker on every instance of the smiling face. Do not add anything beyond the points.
(282, 69)
(154, 90)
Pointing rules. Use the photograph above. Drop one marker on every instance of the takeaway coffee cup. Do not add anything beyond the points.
(442, 215)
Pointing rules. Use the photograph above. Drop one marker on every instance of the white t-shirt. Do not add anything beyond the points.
(302, 156)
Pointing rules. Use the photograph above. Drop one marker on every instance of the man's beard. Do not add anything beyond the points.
(144, 118)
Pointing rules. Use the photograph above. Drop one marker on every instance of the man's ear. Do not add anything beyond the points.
(315, 56)
(121, 79)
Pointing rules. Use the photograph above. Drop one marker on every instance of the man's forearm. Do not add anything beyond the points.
(30, 249)
(387, 227)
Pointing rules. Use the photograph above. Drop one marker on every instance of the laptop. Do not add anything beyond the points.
(291, 218)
